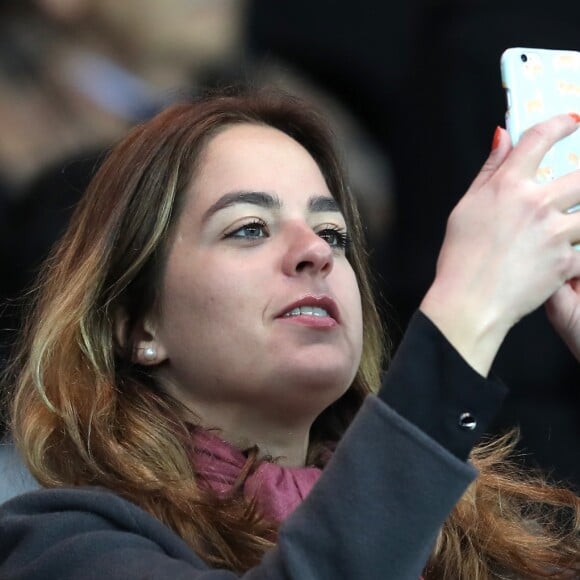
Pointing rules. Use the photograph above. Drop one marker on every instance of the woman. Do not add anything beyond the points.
(205, 333)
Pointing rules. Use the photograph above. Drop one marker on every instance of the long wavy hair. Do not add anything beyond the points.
(83, 413)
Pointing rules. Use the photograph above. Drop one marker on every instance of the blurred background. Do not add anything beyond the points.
(413, 93)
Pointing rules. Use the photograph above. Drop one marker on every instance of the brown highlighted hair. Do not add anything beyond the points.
(84, 414)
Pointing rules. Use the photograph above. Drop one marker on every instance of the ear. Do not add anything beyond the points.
(144, 346)
(147, 349)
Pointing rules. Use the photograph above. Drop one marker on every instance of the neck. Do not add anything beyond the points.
(245, 426)
(288, 449)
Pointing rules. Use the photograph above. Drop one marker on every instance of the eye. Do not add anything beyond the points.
(335, 237)
(253, 230)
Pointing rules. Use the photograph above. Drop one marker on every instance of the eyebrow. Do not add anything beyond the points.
(317, 204)
(259, 198)
(323, 203)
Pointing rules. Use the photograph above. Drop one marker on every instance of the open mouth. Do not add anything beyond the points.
(317, 311)
(308, 311)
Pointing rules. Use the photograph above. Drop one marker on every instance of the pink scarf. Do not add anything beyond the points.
(276, 490)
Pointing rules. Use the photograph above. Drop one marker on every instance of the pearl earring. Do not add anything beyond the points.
(150, 353)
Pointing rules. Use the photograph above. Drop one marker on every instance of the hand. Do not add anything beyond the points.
(563, 310)
(508, 245)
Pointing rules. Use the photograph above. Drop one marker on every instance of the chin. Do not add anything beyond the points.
(317, 379)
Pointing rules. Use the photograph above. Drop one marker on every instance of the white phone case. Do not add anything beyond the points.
(539, 84)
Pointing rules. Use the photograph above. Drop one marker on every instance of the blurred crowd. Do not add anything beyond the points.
(412, 89)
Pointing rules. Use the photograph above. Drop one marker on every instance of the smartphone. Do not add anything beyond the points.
(539, 84)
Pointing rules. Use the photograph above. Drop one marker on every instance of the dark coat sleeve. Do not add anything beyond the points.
(431, 386)
(375, 512)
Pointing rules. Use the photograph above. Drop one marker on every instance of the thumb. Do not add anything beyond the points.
(560, 306)
(563, 313)
(500, 148)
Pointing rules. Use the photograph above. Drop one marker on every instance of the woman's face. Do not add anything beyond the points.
(260, 311)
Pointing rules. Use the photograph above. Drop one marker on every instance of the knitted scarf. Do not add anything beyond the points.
(277, 490)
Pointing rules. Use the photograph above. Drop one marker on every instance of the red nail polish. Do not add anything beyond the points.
(496, 139)
(575, 116)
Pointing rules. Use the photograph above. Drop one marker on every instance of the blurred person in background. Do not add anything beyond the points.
(75, 74)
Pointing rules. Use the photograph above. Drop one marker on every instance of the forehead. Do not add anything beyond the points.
(256, 158)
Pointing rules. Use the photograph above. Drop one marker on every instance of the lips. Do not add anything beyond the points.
(315, 306)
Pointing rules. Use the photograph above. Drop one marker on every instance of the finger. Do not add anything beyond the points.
(500, 148)
(562, 312)
(571, 267)
(538, 140)
(565, 192)
(575, 269)
(560, 306)
(572, 229)
(559, 303)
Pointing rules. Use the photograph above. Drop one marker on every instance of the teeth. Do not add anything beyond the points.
(307, 311)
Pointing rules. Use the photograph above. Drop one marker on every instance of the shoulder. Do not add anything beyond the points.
(58, 528)
(100, 502)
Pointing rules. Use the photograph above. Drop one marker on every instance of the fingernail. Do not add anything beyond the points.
(496, 138)
(575, 116)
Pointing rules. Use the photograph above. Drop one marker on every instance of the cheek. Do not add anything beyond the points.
(184, 298)
(352, 306)
(350, 284)
(358, 323)
(206, 297)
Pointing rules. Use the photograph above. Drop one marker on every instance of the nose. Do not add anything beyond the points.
(307, 253)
